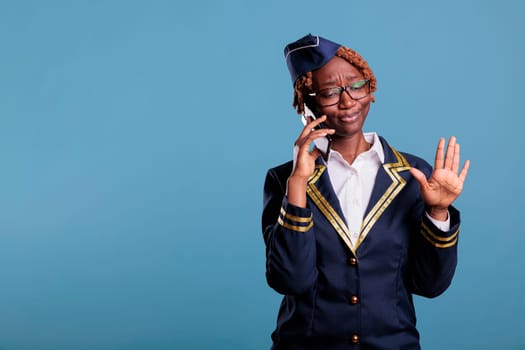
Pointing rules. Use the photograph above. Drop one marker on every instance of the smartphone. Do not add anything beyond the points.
(323, 144)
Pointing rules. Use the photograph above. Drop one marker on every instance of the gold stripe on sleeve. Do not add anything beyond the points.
(440, 245)
(295, 227)
(295, 218)
(432, 238)
(436, 237)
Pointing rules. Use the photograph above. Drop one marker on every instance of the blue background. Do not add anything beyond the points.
(135, 137)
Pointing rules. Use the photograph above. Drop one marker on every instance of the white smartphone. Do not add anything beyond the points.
(323, 143)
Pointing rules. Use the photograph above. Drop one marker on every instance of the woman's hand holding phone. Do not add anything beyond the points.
(305, 162)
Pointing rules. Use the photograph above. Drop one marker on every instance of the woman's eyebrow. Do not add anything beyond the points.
(332, 80)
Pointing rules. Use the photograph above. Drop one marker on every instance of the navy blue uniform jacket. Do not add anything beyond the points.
(340, 296)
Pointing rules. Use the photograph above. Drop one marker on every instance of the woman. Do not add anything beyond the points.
(353, 231)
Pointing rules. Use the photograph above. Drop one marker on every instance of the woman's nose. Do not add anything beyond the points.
(345, 101)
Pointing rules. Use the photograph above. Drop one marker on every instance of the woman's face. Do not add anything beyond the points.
(348, 115)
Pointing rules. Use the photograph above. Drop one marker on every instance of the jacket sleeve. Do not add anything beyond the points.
(433, 257)
(288, 233)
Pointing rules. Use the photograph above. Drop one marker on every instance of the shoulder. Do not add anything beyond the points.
(278, 175)
(392, 155)
(415, 161)
(282, 171)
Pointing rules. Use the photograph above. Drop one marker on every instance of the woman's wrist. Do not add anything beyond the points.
(438, 213)
(296, 191)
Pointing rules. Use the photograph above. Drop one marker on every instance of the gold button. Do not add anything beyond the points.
(354, 299)
(352, 261)
(355, 339)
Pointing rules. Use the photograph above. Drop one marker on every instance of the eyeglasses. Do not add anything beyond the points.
(331, 96)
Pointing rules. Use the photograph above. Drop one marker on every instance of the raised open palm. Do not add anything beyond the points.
(446, 182)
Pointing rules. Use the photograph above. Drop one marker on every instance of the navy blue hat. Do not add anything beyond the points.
(308, 53)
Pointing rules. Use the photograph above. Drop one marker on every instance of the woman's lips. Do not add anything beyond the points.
(349, 117)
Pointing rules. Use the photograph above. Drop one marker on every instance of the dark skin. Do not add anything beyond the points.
(345, 122)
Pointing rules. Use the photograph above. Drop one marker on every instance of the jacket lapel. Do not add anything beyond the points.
(390, 180)
(320, 191)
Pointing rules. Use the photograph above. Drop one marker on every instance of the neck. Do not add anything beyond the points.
(351, 147)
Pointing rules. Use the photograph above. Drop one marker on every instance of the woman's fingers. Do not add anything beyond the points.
(438, 161)
(464, 171)
(419, 176)
(309, 128)
(455, 163)
(306, 143)
(315, 153)
(449, 158)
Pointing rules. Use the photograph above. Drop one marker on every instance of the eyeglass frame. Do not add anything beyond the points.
(341, 90)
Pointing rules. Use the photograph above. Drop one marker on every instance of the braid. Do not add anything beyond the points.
(303, 84)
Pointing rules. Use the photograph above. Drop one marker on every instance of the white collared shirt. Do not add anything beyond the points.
(353, 184)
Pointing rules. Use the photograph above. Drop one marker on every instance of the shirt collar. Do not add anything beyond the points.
(377, 147)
